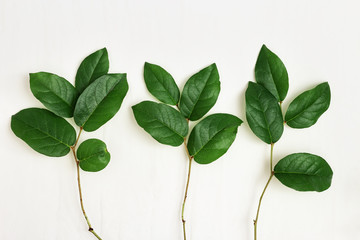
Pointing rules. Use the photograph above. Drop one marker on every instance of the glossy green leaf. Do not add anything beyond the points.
(200, 93)
(212, 137)
(43, 131)
(55, 92)
(100, 101)
(305, 109)
(162, 122)
(263, 113)
(92, 67)
(304, 172)
(161, 84)
(93, 155)
(271, 73)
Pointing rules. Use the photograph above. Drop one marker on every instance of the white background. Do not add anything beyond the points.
(138, 195)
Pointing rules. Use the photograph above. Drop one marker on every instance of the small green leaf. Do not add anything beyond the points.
(263, 113)
(100, 101)
(200, 93)
(92, 67)
(271, 73)
(161, 84)
(212, 137)
(93, 155)
(55, 92)
(305, 109)
(304, 172)
(162, 122)
(43, 131)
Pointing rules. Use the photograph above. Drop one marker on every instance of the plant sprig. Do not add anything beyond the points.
(209, 139)
(299, 171)
(95, 99)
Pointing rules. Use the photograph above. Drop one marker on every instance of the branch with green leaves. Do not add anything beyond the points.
(299, 171)
(168, 122)
(95, 99)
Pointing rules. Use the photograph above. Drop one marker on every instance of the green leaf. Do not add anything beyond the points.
(55, 92)
(271, 73)
(304, 172)
(92, 67)
(200, 93)
(263, 113)
(93, 155)
(305, 109)
(161, 84)
(212, 137)
(162, 122)
(43, 131)
(100, 101)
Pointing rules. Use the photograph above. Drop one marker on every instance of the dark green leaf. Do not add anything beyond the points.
(263, 113)
(43, 131)
(306, 108)
(161, 84)
(212, 137)
(200, 93)
(100, 101)
(92, 67)
(304, 172)
(93, 155)
(55, 92)
(162, 122)
(271, 73)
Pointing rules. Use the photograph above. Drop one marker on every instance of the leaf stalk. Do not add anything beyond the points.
(263, 192)
(186, 188)
(73, 148)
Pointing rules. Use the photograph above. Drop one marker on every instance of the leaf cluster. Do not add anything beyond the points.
(94, 100)
(300, 171)
(168, 121)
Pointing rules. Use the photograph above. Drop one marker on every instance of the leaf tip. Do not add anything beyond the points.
(263, 49)
(213, 67)
(326, 84)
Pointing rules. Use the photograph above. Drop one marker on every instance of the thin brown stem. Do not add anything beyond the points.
(73, 148)
(186, 188)
(271, 157)
(78, 137)
(263, 192)
(280, 103)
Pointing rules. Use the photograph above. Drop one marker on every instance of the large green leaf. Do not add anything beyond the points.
(271, 73)
(43, 131)
(161, 84)
(93, 155)
(263, 113)
(305, 109)
(55, 92)
(304, 172)
(212, 137)
(100, 101)
(92, 67)
(200, 93)
(162, 122)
